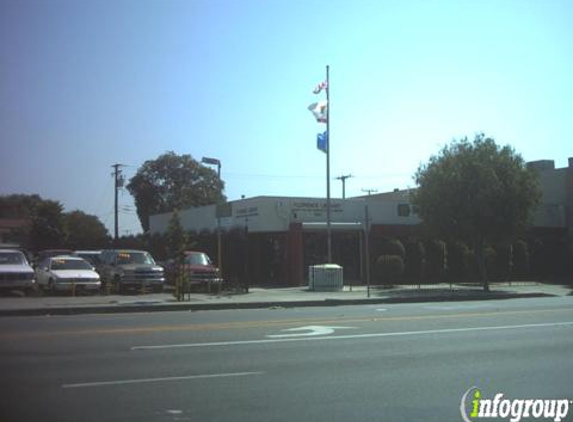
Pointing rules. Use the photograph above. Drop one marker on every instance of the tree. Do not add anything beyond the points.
(173, 181)
(18, 205)
(176, 245)
(46, 228)
(84, 231)
(476, 192)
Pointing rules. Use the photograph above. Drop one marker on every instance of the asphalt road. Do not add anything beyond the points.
(410, 362)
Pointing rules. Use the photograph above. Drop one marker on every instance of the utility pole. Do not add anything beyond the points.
(367, 247)
(370, 191)
(118, 183)
(343, 180)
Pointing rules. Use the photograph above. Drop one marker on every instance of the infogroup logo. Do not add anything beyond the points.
(514, 409)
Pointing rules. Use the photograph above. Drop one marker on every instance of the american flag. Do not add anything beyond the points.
(320, 87)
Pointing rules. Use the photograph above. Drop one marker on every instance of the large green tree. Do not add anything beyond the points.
(84, 231)
(477, 192)
(173, 181)
(47, 226)
(19, 205)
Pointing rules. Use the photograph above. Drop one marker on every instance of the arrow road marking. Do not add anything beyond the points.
(355, 336)
(308, 331)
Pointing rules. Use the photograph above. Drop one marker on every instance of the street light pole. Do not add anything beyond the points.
(328, 216)
(217, 162)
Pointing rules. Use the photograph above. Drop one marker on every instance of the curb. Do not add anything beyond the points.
(152, 307)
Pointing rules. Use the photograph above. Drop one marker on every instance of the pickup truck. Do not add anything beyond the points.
(125, 269)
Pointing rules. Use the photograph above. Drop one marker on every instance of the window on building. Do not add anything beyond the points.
(404, 210)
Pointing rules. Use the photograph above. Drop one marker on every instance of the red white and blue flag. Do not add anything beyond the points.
(320, 87)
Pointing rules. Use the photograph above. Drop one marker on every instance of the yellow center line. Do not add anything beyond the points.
(272, 323)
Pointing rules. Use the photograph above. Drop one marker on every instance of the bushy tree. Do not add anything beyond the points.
(503, 261)
(389, 269)
(436, 260)
(176, 245)
(47, 226)
(173, 181)
(19, 205)
(520, 259)
(415, 260)
(458, 260)
(477, 192)
(393, 247)
(84, 231)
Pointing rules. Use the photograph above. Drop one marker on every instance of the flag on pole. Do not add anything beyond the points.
(322, 141)
(320, 87)
(319, 110)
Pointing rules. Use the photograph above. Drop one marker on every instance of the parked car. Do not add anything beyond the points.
(61, 273)
(127, 268)
(200, 269)
(47, 253)
(15, 271)
(92, 256)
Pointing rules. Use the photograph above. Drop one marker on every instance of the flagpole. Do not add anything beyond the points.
(328, 228)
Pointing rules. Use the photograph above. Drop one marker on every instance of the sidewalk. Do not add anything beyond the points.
(269, 298)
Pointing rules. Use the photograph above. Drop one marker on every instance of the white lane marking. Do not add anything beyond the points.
(352, 336)
(308, 331)
(455, 307)
(162, 379)
(381, 310)
(174, 412)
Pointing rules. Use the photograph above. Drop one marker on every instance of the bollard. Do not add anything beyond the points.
(73, 288)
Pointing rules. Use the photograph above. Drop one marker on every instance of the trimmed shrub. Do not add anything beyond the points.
(503, 268)
(415, 260)
(490, 258)
(436, 260)
(394, 247)
(389, 269)
(458, 262)
(521, 263)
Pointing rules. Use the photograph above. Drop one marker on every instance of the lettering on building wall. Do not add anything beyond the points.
(318, 209)
(247, 212)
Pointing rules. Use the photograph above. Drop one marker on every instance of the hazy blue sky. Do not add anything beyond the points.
(85, 84)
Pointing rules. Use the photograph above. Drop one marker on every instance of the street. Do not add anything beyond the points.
(399, 362)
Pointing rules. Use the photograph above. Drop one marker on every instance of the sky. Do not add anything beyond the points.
(85, 84)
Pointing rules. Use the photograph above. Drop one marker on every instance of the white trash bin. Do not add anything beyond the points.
(325, 278)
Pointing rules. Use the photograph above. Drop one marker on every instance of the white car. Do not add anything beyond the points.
(71, 273)
(15, 271)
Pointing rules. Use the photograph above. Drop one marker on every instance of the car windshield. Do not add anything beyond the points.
(134, 258)
(11, 258)
(90, 257)
(197, 259)
(70, 264)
